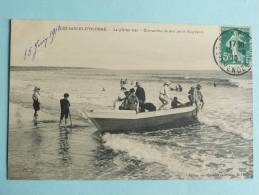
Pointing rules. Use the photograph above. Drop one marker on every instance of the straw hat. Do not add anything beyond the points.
(132, 90)
(36, 89)
(167, 83)
(198, 86)
(138, 84)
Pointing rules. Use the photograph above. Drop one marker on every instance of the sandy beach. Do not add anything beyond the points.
(33, 147)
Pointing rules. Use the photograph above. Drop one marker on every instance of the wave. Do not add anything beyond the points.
(149, 153)
(244, 83)
(232, 125)
(194, 80)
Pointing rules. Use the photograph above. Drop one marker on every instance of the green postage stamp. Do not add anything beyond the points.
(233, 50)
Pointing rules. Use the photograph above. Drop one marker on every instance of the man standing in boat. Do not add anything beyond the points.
(140, 93)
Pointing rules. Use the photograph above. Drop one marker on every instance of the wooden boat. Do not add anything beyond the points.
(126, 120)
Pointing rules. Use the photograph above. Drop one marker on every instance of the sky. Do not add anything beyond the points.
(113, 45)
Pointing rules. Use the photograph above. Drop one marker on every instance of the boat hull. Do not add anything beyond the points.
(130, 121)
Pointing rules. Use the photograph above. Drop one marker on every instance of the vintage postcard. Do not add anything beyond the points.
(95, 100)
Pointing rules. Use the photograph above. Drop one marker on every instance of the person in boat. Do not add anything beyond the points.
(119, 102)
(64, 107)
(119, 99)
(130, 101)
(198, 97)
(133, 101)
(124, 100)
(140, 93)
(36, 103)
(123, 83)
(164, 95)
(176, 104)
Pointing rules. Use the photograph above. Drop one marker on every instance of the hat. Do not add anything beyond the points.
(132, 90)
(66, 95)
(126, 93)
(167, 83)
(137, 84)
(36, 88)
(198, 86)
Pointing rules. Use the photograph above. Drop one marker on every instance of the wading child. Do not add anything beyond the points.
(64, 107)
(36, 104)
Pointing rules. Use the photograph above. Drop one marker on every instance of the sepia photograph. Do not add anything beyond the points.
(129, 101)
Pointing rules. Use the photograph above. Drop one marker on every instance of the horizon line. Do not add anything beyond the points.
(100, 68)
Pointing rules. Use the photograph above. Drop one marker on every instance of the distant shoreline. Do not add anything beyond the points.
(41, 68)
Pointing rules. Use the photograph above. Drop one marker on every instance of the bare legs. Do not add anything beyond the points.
(61, 122)
(35, 118)
(164, 102)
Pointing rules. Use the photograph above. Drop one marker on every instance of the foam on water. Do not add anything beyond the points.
(149, 153)
(183, 155)
(239, 127)
(244, 83)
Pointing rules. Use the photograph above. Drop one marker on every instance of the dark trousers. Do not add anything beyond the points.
(64, 114)
(141, 106)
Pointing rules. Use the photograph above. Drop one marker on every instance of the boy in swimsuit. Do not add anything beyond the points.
(64, 107)
(36, 103)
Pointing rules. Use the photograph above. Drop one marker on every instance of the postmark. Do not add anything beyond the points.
(232, 50)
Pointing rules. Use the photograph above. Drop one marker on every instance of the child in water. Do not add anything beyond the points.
(36, 103)
(64, 107)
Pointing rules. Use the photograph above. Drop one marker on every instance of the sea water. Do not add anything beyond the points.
(218, 146)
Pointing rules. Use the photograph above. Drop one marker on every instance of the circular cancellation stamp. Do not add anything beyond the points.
(232, 50)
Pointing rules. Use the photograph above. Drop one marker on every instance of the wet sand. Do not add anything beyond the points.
(46, 151)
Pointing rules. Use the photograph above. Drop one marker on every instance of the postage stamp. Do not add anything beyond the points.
(233, 50)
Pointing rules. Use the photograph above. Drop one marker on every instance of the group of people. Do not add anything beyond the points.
(194, 95)
(64, 107)
(136, 100)
(132, 99)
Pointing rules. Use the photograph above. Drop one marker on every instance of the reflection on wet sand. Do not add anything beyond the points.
(64, 147)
